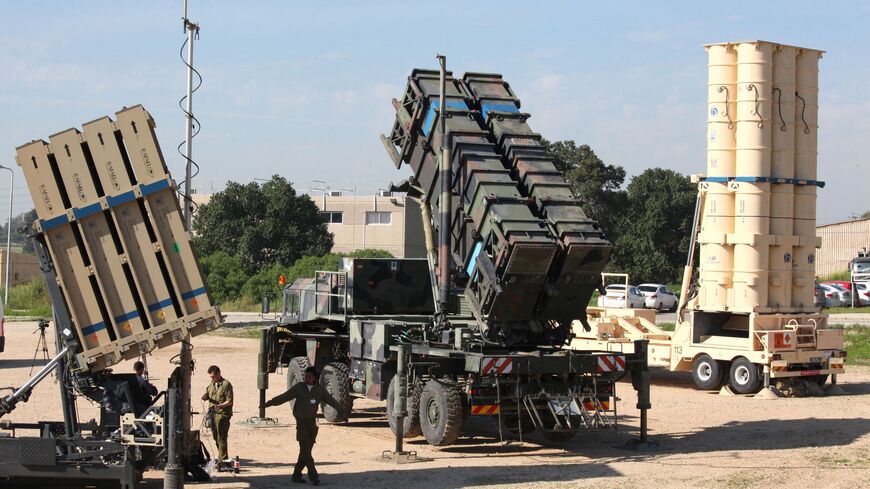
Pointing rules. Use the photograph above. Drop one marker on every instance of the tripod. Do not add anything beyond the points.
(41, 344)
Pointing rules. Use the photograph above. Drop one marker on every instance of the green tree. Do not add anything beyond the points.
(19, 239)
(224, 275)
(656, 225)
(597, 184)
(263, 224)
(865, 215)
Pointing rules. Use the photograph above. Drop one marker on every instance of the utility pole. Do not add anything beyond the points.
(8, 235)
(174, 477)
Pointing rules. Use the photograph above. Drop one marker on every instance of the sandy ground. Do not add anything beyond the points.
(705, 440)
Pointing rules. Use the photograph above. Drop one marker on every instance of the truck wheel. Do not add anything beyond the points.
(336, 380)
(440, 413)
(296, 373)
(744, 376)
(706, 372)
(411, 423)
(821, 379)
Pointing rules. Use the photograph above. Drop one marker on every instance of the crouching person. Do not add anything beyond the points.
(308, 394)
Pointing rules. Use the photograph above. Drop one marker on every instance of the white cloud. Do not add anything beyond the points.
(548, 82)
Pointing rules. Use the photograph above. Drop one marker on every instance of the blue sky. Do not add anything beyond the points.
(303, 89)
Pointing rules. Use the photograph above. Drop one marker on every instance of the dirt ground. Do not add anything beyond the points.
(705, 439)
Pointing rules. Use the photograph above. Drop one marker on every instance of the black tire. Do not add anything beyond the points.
(335, 378)
(673, 308)
(660, 307)
(440, 413)
(411, 423)
(819, 379)
(744, 376)
(707, 373)
(296, 373)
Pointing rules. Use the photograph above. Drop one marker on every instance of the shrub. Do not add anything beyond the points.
(224, 275)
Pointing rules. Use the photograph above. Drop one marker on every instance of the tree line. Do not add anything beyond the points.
(250, 234)
(648, 221)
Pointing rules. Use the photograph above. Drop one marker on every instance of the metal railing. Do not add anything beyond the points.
(330, 295)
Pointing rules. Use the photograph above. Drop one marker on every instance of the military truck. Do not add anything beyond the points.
(486, 317)
(123, 279)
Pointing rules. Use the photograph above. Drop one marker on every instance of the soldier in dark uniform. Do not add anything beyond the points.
(308, 395)
(219, 394)
(148, 389)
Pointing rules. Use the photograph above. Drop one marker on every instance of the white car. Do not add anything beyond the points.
(658, 297)
(862, 294)
(615, 297)
(833, 296)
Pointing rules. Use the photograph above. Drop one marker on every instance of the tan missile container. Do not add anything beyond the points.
(749, 318)
(717, 255)
(108, 212)
(806, 155)
(757, 250)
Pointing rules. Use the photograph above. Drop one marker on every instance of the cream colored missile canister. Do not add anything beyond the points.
(757, 230)
(806, 157)
(721, 110)
(782, 167)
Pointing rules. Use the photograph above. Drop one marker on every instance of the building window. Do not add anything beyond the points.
(330, 217)
(379, 217)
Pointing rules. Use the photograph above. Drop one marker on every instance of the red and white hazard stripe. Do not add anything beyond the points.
(611, 363)
(483, 409)
(496, 365)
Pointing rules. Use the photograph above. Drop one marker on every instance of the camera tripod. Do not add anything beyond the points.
(41, 344)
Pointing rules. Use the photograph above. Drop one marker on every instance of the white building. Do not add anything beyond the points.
(384, 221)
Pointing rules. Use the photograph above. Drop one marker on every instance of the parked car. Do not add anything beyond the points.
(615, 297)
(819, 297)
(842, 283)
(862, 294)
(658, 297)
(835, 296)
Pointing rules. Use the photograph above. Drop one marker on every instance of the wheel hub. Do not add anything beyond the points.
(741, 375)
(705, 371)
(433, 414)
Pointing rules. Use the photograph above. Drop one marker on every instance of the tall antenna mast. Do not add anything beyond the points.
(180, 393)
(192, 30)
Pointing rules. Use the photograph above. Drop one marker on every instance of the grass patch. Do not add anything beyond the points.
(29, 299)
(858, 345)
(740, 481)
(667, 326)
(243, 305)
(843, 276)
(847, 310)
(839, 462)
(247, 332)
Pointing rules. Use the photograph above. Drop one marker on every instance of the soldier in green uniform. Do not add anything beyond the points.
(308, 395)
(219, 394)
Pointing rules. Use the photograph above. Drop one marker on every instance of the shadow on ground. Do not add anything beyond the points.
(385, 475)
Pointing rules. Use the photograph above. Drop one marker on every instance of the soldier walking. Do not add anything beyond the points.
(308, 395)
(219, 394)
